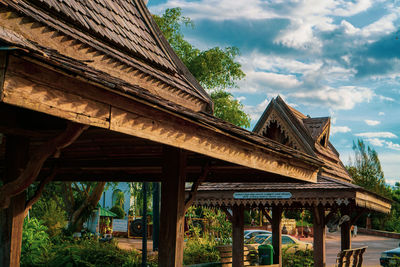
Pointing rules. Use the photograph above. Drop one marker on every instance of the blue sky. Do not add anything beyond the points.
(325, 58)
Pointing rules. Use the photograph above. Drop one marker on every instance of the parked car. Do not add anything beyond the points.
(287, 241)
(390, 257)
(248, 234)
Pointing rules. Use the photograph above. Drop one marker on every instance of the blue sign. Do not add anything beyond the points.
(262, 195)
(120, 225)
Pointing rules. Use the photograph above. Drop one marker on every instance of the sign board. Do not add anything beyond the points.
(262, 195)
(120, 225)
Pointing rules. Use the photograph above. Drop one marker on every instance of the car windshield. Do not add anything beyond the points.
(260, 239)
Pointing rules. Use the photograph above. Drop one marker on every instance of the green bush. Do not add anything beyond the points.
(119, 211)
(35, 243)
(201, 250)
(51, 214)
(91, 253)
(298, 259)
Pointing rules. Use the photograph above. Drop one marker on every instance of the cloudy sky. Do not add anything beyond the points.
(325, 58)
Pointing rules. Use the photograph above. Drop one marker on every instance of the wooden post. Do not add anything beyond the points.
(172, 207)
(345, 232)
(12, 218)
(345, 236)
(277, 234)
(144, 225)
(319, 237)
(156, 215)
(238, 236)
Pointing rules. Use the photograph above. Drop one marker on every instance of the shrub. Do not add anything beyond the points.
(91, 253)
(35, 243)
(298, 259)
(200, 250)
(51, 214)
(119, 211)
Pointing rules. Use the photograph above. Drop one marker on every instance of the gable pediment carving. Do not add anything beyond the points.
(276, 129)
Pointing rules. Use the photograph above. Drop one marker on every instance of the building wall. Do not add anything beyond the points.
(106, 200)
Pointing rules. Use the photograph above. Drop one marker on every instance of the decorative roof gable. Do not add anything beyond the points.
(290, 127)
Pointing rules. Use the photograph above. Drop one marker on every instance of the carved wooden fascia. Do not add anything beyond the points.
(325, 132)
(285, 129)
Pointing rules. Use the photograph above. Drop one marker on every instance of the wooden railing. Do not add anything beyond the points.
(351, 257)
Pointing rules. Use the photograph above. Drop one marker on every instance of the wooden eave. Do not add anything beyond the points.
(42, 29)
(69, 89)
(327, 192)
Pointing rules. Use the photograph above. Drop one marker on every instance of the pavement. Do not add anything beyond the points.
(376, 245)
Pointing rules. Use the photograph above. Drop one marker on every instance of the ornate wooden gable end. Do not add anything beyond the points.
(277, 125)
(290, 127)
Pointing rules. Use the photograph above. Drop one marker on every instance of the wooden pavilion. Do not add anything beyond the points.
(91, 91)
(332, 193)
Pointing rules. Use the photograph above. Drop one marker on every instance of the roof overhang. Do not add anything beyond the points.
(302, 195)
(68, 89)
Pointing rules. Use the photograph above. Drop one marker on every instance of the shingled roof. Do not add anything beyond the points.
(327, 191)
(123, 30)
(307, 133)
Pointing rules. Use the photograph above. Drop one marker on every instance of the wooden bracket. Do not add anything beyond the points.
(266, 214)
(196, 184)
(36, 161)
(228, 214)
(3, 68)
(361, 212)
(38, 192)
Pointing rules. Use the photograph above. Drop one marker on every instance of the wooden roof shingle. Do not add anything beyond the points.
(123, 29)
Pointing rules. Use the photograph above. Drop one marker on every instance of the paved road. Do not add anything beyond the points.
(376, 245)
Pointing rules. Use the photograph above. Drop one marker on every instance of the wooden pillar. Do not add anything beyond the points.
(238, 236)
(172, 207)
(12, 218)
(156, 215)
(277, 234)
(345, 232)
(345, 236)
(319, 236)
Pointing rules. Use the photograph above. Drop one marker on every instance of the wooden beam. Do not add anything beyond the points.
(36, 161)
(228, 214)
(277, 234)
(34, 87)
(238, 236)
(266, 214)
(345, 232)
(319, 236)
(12, 218)
(3, 67)
(172, 208)
(196, 184)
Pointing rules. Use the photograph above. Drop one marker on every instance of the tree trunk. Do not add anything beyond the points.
(76, 222)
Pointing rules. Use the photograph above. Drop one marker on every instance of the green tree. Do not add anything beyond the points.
(366, 170)
(215, 68)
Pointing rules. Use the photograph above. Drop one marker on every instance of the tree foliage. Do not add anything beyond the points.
(215, 68)
(366, 170)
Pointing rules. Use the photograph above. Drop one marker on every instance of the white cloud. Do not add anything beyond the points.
(344, 97)
(376, 141)
(377, 135)
(381, 113)
(255, 112)
(372, 122)
(339, 129)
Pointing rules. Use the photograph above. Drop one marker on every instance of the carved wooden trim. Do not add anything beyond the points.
(285, 129)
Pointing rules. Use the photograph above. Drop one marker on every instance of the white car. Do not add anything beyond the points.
(252, 233)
